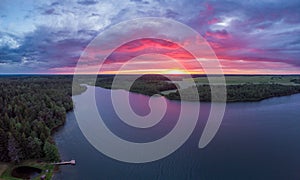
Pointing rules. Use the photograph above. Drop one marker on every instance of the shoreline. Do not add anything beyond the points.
(208, 100)
(8, 166)
(88, 163)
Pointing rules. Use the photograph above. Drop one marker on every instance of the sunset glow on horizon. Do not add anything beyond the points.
(253, 37)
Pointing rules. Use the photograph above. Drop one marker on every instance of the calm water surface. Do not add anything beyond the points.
(258, 140)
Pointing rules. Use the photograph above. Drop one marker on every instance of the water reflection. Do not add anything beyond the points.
(256, 141)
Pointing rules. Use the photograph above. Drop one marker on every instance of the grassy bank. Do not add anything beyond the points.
(7, 168)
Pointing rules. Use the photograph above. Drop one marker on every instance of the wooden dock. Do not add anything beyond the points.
(72, 162)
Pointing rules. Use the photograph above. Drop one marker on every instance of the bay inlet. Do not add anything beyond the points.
(256, 140)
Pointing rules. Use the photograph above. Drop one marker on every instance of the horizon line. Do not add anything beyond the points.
(68, 74)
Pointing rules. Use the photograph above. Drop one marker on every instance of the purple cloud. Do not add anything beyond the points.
(40, 36)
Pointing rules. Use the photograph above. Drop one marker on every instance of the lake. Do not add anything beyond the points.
(256, 140)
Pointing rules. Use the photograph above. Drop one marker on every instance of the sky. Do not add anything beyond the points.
(248, 37)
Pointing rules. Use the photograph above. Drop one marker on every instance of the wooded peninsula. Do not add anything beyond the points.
(239, 88)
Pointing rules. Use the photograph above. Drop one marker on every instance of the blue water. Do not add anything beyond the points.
(257, 140)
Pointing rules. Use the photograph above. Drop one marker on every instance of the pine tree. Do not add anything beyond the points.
(13, 149)
(34, 147)
(51, 152)
(3, 146)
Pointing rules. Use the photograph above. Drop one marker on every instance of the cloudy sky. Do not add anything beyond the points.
(248, 37)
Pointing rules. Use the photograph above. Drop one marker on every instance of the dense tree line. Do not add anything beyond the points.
(30, 108)
(297, 81)
(239, 93)
(155, 84)
(150, 86)
(146, 84)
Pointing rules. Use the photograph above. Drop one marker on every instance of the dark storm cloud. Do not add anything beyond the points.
(46, 47)
(53, 48)
(54, 3)
(87, 2)
(49, 12)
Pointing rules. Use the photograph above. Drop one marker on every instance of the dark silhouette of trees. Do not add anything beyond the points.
(146, 84)
(155, 84)
(297, 81)
(240, 93)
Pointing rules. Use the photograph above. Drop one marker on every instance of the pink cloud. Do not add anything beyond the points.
(213, 21)
(219, 34)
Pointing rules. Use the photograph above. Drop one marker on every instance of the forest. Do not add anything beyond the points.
(261, 87)
(297, 81)
(238, 93)
(31, 107)
(146, 84)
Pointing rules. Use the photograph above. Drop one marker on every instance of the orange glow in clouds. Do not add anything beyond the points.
(151, 56)
(171, 59)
